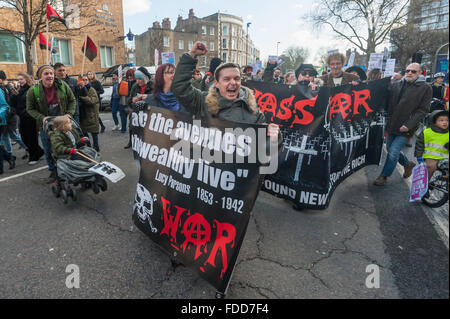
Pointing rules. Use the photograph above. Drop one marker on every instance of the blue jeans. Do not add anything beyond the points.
(123, 117)
(115, 103)
(394, 145)
(47, 150)
(9, 135)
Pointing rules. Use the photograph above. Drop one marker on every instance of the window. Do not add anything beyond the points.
(166, 41)
(62, 54)
(11, 49)
(203, 59)
(225, 30)
(224, 43)
(233, 44)
(203, 30)
(211, 31)
(211, 46)
(181, 44)
(190, 45)
(106, 57)
(224, 57)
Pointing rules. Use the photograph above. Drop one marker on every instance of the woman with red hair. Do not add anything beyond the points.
(162, 96)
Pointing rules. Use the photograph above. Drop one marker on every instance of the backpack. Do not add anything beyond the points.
(123, 88)
(36, 91)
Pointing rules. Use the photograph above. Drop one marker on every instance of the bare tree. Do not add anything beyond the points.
(33, 15)
(409, 39)
(293, 57)
(365, 24)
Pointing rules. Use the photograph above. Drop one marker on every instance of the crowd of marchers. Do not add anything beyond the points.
(219, 93)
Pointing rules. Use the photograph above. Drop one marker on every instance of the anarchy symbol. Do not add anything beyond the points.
(197, 231)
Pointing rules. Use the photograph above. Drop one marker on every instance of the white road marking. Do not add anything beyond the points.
(22, 174)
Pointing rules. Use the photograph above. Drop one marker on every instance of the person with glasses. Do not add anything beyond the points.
(409, 103)
(337, 76)
(305, 75)
(89, 109)
(162, 95)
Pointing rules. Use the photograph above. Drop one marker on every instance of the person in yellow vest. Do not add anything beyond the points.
(432, 143)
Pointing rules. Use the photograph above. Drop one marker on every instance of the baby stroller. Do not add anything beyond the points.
(74, 172)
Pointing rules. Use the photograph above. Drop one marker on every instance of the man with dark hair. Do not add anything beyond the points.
(226, 99)
(60, 73)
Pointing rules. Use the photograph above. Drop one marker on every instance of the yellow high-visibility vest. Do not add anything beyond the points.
(434, 144)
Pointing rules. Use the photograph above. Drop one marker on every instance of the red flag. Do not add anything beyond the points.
(91, 49)
(52, 14)
(43, 43)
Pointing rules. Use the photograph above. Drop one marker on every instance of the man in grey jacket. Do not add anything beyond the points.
(409, 103)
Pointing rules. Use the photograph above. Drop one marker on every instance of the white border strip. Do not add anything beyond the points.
(22, 174)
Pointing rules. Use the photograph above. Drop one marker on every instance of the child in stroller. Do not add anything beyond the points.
(70, 152)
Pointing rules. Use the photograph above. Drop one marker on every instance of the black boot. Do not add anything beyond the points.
(12, 162)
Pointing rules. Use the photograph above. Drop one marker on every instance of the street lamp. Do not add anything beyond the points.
(246, 50)
(277, 47)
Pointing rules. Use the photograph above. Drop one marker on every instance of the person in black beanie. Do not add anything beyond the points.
(208, 79)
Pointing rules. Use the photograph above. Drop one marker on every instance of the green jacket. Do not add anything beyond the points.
(38, 108)
(243, 110)
(62, 145)
(91, 104)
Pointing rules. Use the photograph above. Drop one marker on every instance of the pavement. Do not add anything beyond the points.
(286, 254)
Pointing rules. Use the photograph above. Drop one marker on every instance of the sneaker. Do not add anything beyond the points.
(103, 129)
(116, 128)
(32, 163)
(408, 170)
(380, 181)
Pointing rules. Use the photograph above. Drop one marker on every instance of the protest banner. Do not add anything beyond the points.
(326, 138)
(197, 187)
(419, 183)
(168, 57)
(376, 61)
(390, 67)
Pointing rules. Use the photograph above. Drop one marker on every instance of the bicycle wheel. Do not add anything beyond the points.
(437, 190)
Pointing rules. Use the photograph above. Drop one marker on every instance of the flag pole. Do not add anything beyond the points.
(47, 40)
(84, 55)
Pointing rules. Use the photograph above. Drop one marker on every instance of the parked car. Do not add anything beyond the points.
(106, 98)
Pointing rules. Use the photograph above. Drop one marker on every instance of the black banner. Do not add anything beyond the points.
(194, 195)
(326, 138)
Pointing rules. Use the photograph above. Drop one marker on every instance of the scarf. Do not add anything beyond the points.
(169, 101)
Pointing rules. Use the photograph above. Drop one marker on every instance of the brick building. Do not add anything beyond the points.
(222, 34)
(105, 30)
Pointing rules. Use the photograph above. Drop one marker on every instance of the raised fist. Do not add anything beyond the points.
(198, 49)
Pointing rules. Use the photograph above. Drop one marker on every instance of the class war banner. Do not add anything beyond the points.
(196, 189)
(326, 137)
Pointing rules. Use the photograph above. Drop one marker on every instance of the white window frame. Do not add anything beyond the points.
(212, 46)
(180, 44)
(190, 44)
(22, 47)
(166, 43)
(113, 59)
(204, 30)
(212, 31)
(69, 48)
